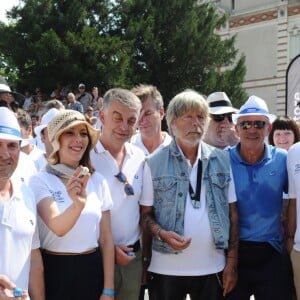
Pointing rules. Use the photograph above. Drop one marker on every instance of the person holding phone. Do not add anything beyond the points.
(74, 214)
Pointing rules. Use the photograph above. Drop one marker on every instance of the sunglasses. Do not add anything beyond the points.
(248, 124)
(220, 118)
(127, 186)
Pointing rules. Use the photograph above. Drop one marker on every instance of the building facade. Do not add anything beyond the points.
(268, 34)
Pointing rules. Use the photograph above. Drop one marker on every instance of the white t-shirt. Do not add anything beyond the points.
(201, 257)
(125, 214)
(137, 141)
(293, 167)
(18, 234)
(84, 235)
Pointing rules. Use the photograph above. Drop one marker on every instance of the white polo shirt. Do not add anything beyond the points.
(293, 167)
(125, 214)
(18, 234)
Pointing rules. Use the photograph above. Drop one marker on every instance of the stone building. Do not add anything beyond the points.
(268, 33)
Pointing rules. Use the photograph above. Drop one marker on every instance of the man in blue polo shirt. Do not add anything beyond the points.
(260, 177)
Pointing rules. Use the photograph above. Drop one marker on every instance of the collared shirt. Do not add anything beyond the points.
(125, 214)
(137, 141)
(259, 189)
(18, 233)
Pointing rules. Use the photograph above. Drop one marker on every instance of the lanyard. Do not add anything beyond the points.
(195, 197)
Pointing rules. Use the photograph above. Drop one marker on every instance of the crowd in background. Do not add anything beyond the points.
(214, 197)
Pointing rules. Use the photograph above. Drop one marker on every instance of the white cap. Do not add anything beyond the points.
(46, 118)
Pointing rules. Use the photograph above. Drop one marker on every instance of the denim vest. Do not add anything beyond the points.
(170, 175)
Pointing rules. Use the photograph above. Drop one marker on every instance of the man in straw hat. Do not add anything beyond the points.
(20, 254)
(123, 166)
(260, 176)
(221, 131)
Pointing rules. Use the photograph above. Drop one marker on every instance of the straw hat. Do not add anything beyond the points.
(64, 120)
(46, 118)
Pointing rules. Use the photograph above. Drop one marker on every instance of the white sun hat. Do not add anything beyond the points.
(254, 106)
(9, 126)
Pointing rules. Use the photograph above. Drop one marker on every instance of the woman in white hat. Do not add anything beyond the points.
(74, 207)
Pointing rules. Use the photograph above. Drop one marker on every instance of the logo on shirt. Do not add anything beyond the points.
(57, 195)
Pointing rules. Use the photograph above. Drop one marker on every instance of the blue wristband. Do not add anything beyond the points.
(108, 292)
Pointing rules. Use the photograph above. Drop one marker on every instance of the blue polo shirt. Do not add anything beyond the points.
(259, 189)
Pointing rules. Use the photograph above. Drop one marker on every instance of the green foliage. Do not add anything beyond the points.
(171, 43)
(176, 47)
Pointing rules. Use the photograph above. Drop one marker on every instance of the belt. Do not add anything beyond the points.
(93, 250)
(136, 246)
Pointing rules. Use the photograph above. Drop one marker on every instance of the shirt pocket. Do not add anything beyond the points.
(220, 183)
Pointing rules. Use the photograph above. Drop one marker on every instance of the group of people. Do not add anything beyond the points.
(205, 209)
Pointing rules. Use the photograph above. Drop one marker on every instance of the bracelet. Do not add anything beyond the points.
(108, 292)
(157, 234)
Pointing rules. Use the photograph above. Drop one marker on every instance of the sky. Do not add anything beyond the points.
(6, 5)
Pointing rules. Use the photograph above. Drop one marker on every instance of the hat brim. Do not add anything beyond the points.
(94, 135)
(11, 137)
(271, 117)
(222, 110)
(38, 129)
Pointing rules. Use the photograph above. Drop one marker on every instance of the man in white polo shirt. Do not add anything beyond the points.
(123, 166)
(19, 246)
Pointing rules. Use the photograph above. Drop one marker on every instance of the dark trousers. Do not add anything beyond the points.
(264, 281)
(165, 287)
(73, 277)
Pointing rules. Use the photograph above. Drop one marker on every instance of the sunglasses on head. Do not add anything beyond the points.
(248, 124)
(127, 186)
(220, 118)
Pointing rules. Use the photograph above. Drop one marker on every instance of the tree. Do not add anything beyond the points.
(65, 41)
(176, 47)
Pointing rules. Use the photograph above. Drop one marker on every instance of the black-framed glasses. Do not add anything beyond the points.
(220, 118)
(256, 124)
(127, 186)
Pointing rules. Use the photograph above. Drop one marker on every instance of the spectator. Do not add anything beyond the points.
(123, 166)
(221, 131)
(284, 133)
(20, 259)
(73, 103)
(74, 214)
(150, 136)
(194, 218)
(260, 176)
(83, 97)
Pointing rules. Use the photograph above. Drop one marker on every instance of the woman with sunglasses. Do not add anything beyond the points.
(74, 206)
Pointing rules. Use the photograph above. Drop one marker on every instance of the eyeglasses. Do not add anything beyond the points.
(127, 188)
(256, 124)
(220, 118)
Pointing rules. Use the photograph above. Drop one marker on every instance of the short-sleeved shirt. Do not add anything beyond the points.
(84, 235)
(125, 214)
(293, 165)
(259, 189)
(18, 234)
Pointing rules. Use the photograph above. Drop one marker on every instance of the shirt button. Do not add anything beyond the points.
(182, 174)
(180, 194)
